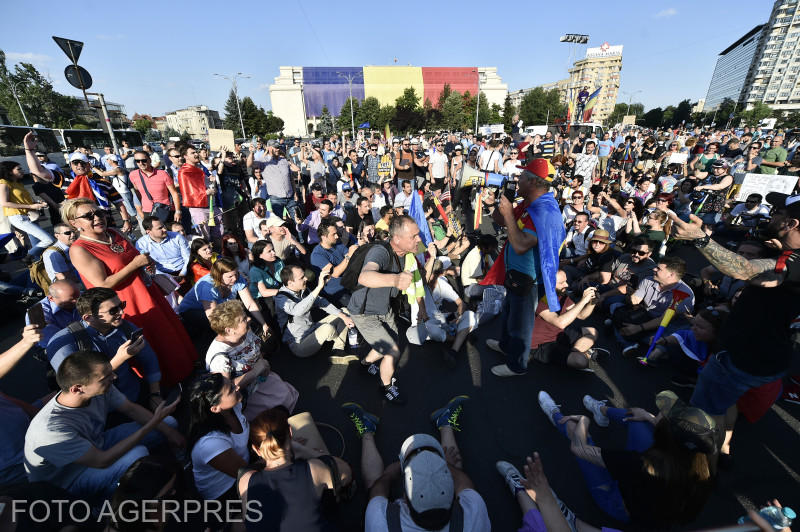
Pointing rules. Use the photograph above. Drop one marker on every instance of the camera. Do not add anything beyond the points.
(697, 195)
(509, 190)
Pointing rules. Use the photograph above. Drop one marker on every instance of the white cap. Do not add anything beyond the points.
(426, 478)
(274, 220)
(78, 156)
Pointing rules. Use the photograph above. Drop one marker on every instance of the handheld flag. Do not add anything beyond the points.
(363, 125)
(441, 211)
(677, 297)
(387, 134)
(416, 212)
(590, 103)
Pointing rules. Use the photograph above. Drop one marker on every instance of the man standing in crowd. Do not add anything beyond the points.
(278, 181)
(195, 192)
(155, 188)
(381, 280)
(438, 164)
(604, 149)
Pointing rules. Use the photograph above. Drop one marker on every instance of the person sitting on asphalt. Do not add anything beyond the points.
(667, 471)
(284, 242)
(642, 315)
(67, 443)
(436, 490)
(238, 354)
(587, 273)
(56, 257)
(576, 247)
(620, 276)
(101, 326)
(291, 483)
(302, 334)
(476, 265)
(58, 309)
(557, 338)
(252, 220)
(168, 249)
(331, 252)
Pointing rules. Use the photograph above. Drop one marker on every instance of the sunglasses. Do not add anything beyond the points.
(117, 309)
(640, 252)
(140, 161)
(79, 163)
(89, 216)
(68, 233)
(174, 155)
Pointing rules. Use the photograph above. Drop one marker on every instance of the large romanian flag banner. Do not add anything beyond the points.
(590, 103)
(329, 86)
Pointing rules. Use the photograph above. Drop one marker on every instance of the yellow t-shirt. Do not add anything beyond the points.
(16, 194)
(382, 225)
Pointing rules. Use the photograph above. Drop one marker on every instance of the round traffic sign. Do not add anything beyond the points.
(78, 77)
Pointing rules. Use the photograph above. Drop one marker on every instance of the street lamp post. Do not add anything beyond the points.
(350, 78)
(13, 87)
(232, 79)
(630, 99)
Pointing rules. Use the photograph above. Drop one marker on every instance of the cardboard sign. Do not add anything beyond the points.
(678, 158)
(220, 138)
(763, 184)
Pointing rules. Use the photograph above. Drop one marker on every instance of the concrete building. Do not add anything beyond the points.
(731, 72)
(773, 74)
(299, 94)
(699, 106)
(600, 69)
(92, 116)
(196, 120)
(561, 85)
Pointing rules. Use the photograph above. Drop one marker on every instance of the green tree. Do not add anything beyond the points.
(446, 90)
(274, 123)
(325, 126)
(452, 112)
(343, 121)
(231, 120)
(621, 110)
(508, 114)
(152, 135)
(538, 106)
(142, 125)
(169, 132)
(385, 116)
(752, 117)
(369, 111)
(669, 115)
(408, 113)
(787, 121)
(41, 103)
(682, 113)
(432, 117)
(495, 114)
(185, 137)
(698, 119)
(654, 117)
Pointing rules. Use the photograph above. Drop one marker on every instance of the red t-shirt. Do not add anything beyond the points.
(543, 332)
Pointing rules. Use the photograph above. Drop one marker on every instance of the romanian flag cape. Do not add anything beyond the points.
(84, 186)
(546, 217)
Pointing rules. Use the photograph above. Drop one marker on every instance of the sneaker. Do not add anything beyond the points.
(363, 420)
(502, 370)
(494, 345)
(372, 368)
(685, 381)
(391, 393)
(568, 514)
(449, 358)
(598, 353)
(511, 475)
(593, 405)
(548, 406)
(791, 392)
(630, 351)
(447, 416)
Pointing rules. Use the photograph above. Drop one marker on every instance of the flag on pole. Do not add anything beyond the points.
(677, 297)
(478, 209)
(590, 103)
(441, 210)
(363, 125)
(570, 109)
(387, 135)
(416, 212)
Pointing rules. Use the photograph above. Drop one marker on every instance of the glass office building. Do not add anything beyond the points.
(730, 74)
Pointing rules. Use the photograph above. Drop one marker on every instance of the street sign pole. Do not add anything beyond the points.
(107, 119)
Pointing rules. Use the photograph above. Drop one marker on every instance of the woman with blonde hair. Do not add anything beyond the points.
(292, 488)
(105, 258)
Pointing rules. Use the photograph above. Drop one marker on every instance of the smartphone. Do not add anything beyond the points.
(36, 316)
(174, 394)
(136, 335)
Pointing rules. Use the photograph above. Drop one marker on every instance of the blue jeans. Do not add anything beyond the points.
(40, 239)
(519, 315)
(278, 204)
(94, 481)
(602, 486)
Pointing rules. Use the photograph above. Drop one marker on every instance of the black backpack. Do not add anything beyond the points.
(349, 277)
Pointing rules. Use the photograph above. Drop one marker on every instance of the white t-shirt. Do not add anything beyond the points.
(611, 223)
(252, 221)
(488, 158)
(442, 291)
(510, 168)
(438, 162)
(212, 483)
(472, 267)
(749, 218)
(476, 516)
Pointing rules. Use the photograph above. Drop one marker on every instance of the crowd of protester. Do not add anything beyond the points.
(163, 285)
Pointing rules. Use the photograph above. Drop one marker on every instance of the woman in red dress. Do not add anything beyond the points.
(105, 258)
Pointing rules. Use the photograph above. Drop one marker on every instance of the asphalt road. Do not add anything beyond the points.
(502, 421)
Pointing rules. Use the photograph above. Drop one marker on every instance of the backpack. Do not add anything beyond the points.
(38, 272)
(349, 277)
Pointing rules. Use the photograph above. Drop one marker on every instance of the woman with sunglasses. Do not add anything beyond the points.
(103, 257)
(663, 160)
(201, 258)
(21, 210)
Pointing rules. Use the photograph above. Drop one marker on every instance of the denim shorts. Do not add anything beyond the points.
(721, 384)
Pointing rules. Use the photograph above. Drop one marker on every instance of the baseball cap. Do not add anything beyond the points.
(785, 201)
(347, 186)
(272, 143)
(719, 163)
(78, 156)
(690, 426)
(540, 167)
(427, 481)
(414, 141)
(274, 221)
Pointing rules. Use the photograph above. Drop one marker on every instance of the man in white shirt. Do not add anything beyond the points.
(437, 165)
(749, 213)
(252, 220)
(578, 237)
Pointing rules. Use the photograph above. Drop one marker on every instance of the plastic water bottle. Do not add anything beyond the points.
(779, 518)
(352, 337)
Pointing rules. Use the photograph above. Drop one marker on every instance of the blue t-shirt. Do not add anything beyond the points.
(604, 148)
(271, 281)
(320, 257)
(527, 262)
(204, 290)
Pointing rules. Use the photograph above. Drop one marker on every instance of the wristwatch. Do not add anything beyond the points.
(700, 243)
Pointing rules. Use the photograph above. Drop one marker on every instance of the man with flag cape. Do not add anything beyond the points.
(528, 260)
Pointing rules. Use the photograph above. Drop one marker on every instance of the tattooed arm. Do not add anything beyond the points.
(760, 271)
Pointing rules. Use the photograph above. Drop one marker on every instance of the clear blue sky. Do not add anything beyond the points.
(155, 57)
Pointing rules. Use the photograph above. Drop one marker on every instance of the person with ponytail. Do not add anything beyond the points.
(292, 487)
